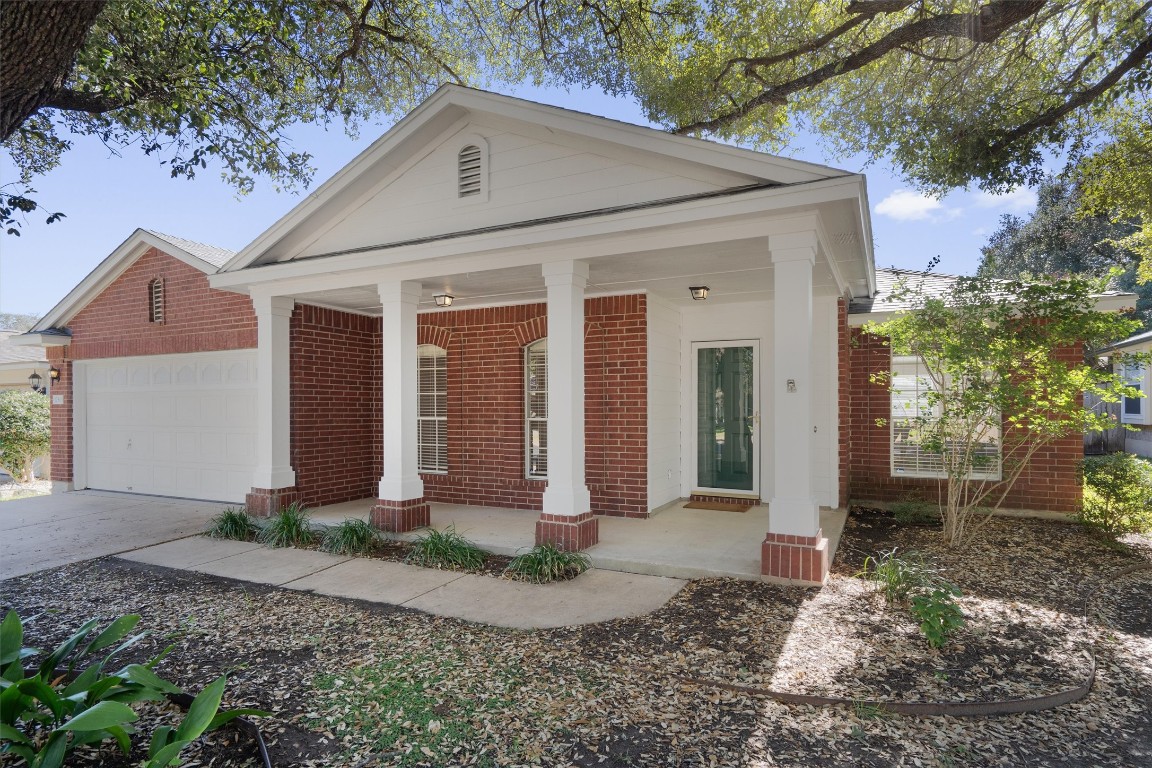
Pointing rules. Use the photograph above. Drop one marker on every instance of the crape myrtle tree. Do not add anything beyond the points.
(998, 375)
(194, 81)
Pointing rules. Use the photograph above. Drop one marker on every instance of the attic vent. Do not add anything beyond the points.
(469, 171)
(156, 301)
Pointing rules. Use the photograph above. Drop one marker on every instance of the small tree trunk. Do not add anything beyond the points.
(39, 41)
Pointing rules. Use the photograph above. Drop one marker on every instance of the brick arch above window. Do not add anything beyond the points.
(531, 330)
(434, 334)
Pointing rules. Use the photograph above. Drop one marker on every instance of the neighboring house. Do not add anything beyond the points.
(18, 363)
(493, 305)
(1136, 412)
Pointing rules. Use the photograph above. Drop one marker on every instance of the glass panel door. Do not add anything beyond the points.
(726, 414)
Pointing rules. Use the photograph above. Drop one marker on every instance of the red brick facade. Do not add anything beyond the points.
(1050, 482)
(116, 324)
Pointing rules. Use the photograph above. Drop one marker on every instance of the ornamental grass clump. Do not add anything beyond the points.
(351, 537)
(291, 527)
(910, 581)
(446, 549)
(232, 523)
(546, 563)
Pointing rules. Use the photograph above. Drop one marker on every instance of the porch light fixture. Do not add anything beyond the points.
(54, 374)
(444, 299)
(699, 292)
(34, 381)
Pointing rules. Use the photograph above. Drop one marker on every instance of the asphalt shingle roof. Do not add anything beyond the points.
(215, 256)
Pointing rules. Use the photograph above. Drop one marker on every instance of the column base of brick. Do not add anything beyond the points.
(401, 516)
(570, 533)
(801, 560)
(265, 502)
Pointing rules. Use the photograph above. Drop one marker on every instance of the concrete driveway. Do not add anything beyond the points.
(48, 531)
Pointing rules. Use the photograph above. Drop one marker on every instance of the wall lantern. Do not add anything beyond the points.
(34, 381)
(699, 292)
(54, 374)
(444, 299)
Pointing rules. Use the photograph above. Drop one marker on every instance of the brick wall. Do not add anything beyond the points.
(335, 395)
(1050, 482)
(196, 317)
(486, 404)
(115, 324)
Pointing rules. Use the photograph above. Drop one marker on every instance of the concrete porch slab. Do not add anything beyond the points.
(591, 597)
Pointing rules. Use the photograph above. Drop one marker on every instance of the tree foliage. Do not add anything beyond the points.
(194, 81)
(1060, 240)
(24, 432)
(992, 352)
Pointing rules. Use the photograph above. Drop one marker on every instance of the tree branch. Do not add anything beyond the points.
(983, 26)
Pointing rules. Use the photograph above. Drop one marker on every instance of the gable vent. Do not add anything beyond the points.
(469, 171)
(156, 301)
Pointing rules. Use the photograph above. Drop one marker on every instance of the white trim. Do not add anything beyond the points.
(31, 339)
(106, 272)
(80, 421)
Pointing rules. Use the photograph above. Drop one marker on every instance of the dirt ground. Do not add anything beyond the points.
(355, 684)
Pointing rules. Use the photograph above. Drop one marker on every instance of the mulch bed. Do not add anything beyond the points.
(356, 684)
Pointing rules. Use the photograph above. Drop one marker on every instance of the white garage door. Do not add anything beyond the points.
(171, 425)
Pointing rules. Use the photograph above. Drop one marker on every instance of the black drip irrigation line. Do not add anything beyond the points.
(184, 701)
(937, 708)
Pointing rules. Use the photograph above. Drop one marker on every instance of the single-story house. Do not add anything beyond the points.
(18, 363)
(508, 304)
(1136, 412)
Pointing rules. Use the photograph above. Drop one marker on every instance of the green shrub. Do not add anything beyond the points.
(547, 563)
(351, 537)
(46, 715)
(24, 432)
(897, 577)
(233, 523)
(916, 512)
(1117, 494)
(938, 613)
(291, 527)
(446, 549)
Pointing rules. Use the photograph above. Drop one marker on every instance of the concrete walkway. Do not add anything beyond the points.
(591, 597)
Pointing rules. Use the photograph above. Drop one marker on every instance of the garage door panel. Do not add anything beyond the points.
(181, 425)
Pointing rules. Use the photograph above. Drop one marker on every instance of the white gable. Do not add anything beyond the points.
(541, 162)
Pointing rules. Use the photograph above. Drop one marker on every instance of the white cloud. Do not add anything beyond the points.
(1019, 200)
(906, 205)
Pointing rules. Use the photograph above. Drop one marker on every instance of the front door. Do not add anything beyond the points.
(727, 416)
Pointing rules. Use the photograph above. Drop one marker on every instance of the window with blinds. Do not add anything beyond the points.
(910, 404)
(1135, 410)
(156, 301)
(469, 171)
(536, 409)
(432, 419)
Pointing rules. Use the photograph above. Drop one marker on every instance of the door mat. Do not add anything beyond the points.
(718, 506)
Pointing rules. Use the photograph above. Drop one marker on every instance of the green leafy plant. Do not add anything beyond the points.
(24, 431)
(916, 512)
(351, 537)
(290, 527)
(446, 549)
(898, 577)
(69, 700)
(938, 613)
(546, 563)
(233, 523)
(1117, 494)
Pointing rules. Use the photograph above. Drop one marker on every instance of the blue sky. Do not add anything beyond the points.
(106, 197)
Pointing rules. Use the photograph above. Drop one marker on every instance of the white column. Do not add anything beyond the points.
(567, 493)
(793, 509)
(400, 480)
(273, 393)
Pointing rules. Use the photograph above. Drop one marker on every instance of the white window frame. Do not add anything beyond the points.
(534, 448)
(906, 459)
(432, 419)
(1140, 377)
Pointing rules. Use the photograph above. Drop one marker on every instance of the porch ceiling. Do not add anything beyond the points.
(735, 271)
